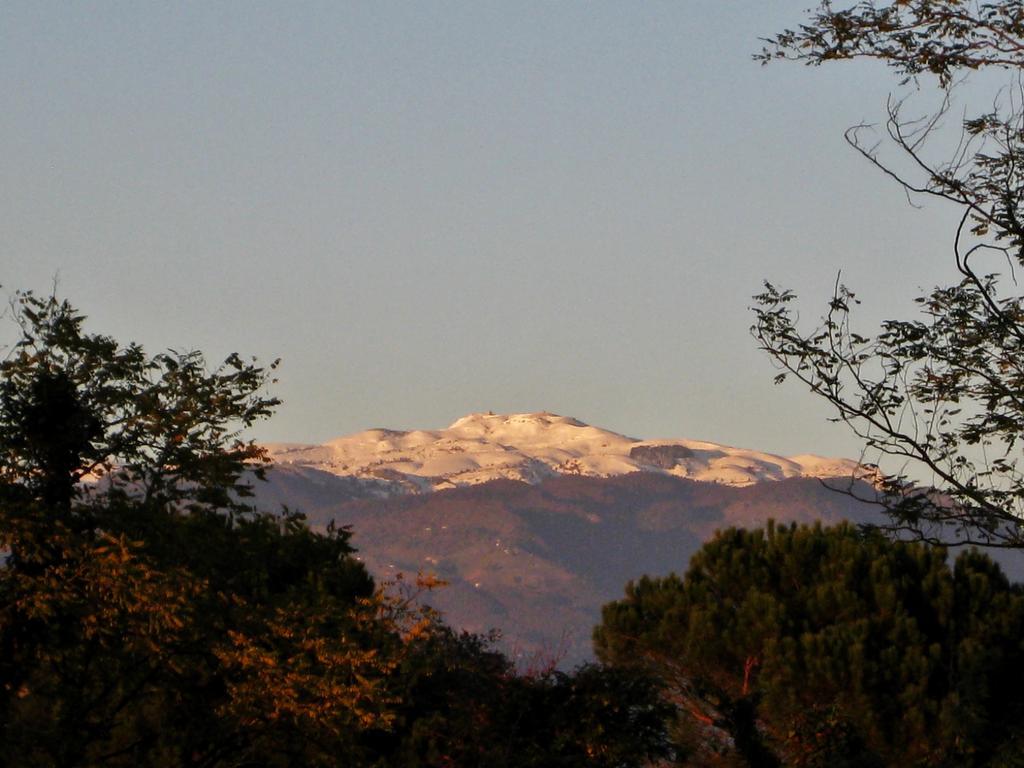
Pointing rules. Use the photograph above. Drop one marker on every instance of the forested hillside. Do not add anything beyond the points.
(537, 561)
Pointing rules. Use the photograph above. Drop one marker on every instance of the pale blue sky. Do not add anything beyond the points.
(429, 208)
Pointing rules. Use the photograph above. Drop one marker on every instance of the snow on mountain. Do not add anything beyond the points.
(532, 446)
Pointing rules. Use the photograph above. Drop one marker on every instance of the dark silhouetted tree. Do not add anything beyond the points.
(148, 614)
(941, 394)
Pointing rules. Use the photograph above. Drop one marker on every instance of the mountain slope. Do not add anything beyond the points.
(536, 520)
(538, 560)
(530, 447)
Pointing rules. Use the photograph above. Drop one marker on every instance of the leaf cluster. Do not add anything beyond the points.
(911, 36)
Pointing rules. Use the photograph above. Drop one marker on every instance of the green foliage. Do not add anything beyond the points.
(813, 646)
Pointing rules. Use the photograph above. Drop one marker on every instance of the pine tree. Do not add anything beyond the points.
(807, 646)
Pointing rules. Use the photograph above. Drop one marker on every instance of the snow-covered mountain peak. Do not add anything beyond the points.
(491, 420)
(531, 446)
(526, 429)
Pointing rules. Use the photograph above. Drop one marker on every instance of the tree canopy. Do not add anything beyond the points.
(811, 646)
(148, 614)
(939, 393)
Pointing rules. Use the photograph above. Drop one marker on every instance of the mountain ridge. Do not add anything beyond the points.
(532, 447)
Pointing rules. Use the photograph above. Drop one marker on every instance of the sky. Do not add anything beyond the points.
(434, 208)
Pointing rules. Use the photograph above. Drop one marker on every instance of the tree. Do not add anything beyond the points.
(463, 704)
(149, 615)
(944, 392)
(811, 646)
